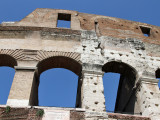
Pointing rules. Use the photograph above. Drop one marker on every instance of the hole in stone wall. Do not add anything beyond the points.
(86, 107)
(58, 87)
(94, 91)
(96, 26)
(110, 81)
(96, 102)
(95, 83)
(157, 105)
(64, 20)
(7, 75)
(145, 31)
(151, 93)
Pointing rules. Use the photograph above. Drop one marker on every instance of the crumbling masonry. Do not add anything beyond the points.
(92, 46)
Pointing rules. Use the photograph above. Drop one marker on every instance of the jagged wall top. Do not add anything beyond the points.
(103, 25)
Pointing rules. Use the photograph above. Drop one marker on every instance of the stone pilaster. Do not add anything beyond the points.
(148, 97)
(92, 91)
(21, 86)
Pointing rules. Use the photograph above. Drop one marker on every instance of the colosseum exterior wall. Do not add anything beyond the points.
(92, 46)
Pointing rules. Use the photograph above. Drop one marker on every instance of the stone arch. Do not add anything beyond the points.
(118, 67)
(17, 54)
(59, 62)
(53, 62)
(7, 60)
(42, 55)
(125, 101)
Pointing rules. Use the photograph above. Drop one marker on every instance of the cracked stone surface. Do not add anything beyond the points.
(92, 46)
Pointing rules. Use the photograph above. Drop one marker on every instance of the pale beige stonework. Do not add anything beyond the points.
(94, 45)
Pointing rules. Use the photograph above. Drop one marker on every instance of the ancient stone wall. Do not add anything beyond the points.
(92, 46)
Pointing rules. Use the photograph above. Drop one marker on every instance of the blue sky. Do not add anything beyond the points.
(137, 10)
(146, 11)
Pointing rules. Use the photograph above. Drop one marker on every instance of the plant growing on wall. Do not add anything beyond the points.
(40, 113)
(8, 109)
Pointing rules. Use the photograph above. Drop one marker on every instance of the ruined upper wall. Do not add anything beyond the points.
(93, 45)
(102, 25)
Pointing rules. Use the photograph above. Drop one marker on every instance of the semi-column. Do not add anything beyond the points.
(92, 91)
(148, 97)
(21, 87)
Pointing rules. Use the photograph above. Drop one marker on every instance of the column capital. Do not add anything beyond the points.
(148, 74)
(24, 68)
(145, 80)
(148, 80)
(92, 69)
(92, 72)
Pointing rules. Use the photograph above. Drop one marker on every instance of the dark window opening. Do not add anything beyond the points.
(58, 88)
(145, 31)
(158, 76)
(110, 81)
(123, 78)
(64, 20)
(96, 27)
(7, 75)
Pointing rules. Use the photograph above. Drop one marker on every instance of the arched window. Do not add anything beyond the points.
(58, 87)
(7, 72)
(121, 77)
(110, 82)
(58, 76)
(158, 76)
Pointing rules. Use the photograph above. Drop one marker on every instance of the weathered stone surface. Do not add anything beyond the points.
(92, 45)
(62, 114)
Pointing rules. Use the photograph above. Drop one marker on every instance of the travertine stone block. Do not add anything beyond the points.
(21, 87)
